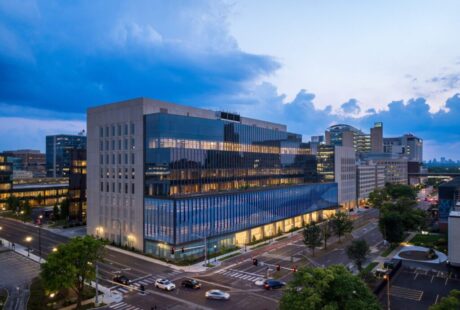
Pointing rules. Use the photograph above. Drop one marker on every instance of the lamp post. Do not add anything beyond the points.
(387, 278)
(28, 240)
(215, 252)
(40, 217)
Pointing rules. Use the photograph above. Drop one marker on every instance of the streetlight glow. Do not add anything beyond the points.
(54, 249)
(28, 239)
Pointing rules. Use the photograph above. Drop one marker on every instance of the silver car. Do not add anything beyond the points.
(165, 284)
(217, 294)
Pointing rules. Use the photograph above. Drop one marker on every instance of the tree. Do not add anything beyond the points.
(377, 197)
(391, 227)
(72, 265)
(357, 251)
(329, 288)
(396, 191)
(312, 236)
(327, 232)
(12, 203)
(56, 214)
(27, 208)
(450, 302)
(341, 224)
(65, 209)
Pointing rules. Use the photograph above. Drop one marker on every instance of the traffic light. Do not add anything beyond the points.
(255, 262)
(172, 250)
(278, 267)
(183, 250)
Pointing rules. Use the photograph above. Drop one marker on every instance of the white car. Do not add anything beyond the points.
(217, 294)
(165, 284)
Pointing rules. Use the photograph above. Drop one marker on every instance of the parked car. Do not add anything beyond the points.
(122, 280)
(272, 284)
(115, 296)
(217, 294)
(165, 284)
(191, 283)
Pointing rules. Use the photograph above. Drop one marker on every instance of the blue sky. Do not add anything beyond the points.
(308, 64)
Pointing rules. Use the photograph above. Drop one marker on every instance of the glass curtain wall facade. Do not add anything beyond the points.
(59, 153)
(216, 177)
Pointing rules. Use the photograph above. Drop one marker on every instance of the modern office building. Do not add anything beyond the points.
(77, 185)
(369, 176)
(407, 145)
(6, 173)
(163, 176)
(377, 138)
(59, 151)
(338, 164)
(348, 136)
(28, 160)
(395, 166)
(315, 141)
(449, 198)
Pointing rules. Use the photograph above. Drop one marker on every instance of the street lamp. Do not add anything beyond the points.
(387, 278)
(54, 249)
(40, 217)
(215, 252)
(28, 240)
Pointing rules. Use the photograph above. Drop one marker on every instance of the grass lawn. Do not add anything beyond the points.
(436, 241)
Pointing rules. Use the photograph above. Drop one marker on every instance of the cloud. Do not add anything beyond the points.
(66, 56)
(351, 107)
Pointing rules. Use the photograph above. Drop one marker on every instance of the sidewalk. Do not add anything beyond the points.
(382, 259)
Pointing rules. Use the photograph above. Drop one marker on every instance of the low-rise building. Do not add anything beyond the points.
(369, 176)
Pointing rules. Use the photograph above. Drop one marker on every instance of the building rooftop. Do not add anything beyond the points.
(454, 214)
(453, 183)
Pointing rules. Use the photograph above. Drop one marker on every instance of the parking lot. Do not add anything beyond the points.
(419, 287)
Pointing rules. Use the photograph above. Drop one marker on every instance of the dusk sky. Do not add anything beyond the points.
(307, 64)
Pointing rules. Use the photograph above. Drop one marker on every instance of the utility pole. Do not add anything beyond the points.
(387, 277)
(97, 285)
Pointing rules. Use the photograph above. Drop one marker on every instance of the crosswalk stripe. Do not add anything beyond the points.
(118, 305)
(123, 290)
(143, 282)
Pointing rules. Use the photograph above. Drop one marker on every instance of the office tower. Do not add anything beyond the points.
(28, 160)
(395, 166)
(77, 185)
(377, 138)
(348, 136)
(407, 145)
(6, 173)
(338, 164)
(314, 142)
(59, 151)
(369, 176)
(162, 176)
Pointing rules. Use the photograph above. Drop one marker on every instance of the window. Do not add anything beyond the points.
(132, 129)
(119, 144)
(101, 132)
(119, 188)
(101, 145)
(102, 186)
(126, 129)
(113, 145)
(107, 187)
(107, 131)
(133, 174)
(113, 159)
(133, 144)
(119, 159)
(101, 159)
(113, 187)
(113, 130)
(132, 159)
(132, 188)
(126, 158)
(119, 130)
(126, 144)
(126, 188)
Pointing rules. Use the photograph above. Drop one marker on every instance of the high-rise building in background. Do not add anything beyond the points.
(6, 173)
(407, 145)
(348, 136)
(369, 177)
(377, 138)
(395, 166)
(163, 176)
(32, 161)
(315, 141)
(77, 185)
(338, 164)
(59, 151)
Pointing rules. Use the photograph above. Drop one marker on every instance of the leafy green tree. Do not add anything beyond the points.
(392, 227)
(312, 236)
(12, 203)
(65, 209)
(330, 288)
(341, 224)
(56, 212)
(27, 208)
(450, 302)
(72, 265)
(396, 191)
(358, 251)
(377, 197)
(327, 232)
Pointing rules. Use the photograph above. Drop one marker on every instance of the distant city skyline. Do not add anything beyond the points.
(306, 64)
